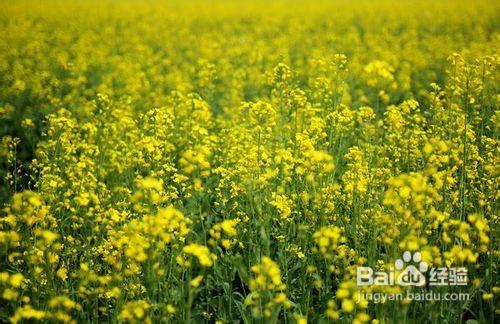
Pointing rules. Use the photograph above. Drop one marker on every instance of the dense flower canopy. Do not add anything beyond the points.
(221, 161)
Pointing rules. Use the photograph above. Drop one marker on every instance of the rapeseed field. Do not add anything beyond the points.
(249, 161)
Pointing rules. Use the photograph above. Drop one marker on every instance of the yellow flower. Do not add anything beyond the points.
(170, 309)
(134, 310)
(62, 273)
(16, 280)
(196, 281)
(201, 252)
(487, 296)
(224, 232)
(27, 313)
(267, 280)
(329, 240)
(284, 205)
(347, 305)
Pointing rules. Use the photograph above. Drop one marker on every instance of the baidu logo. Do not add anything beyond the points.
(411, 275)
(411, 270)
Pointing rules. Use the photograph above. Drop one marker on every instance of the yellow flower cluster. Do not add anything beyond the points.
(135, 312)
(200, 252)
(330, 242)
(147, 237)
(267, 290)
(10, 284)
(224, 232)
(351, 301)
(284, 205)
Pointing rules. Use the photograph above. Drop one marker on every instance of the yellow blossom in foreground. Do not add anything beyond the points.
(201, 252)
(266, 288)
(135, 311)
